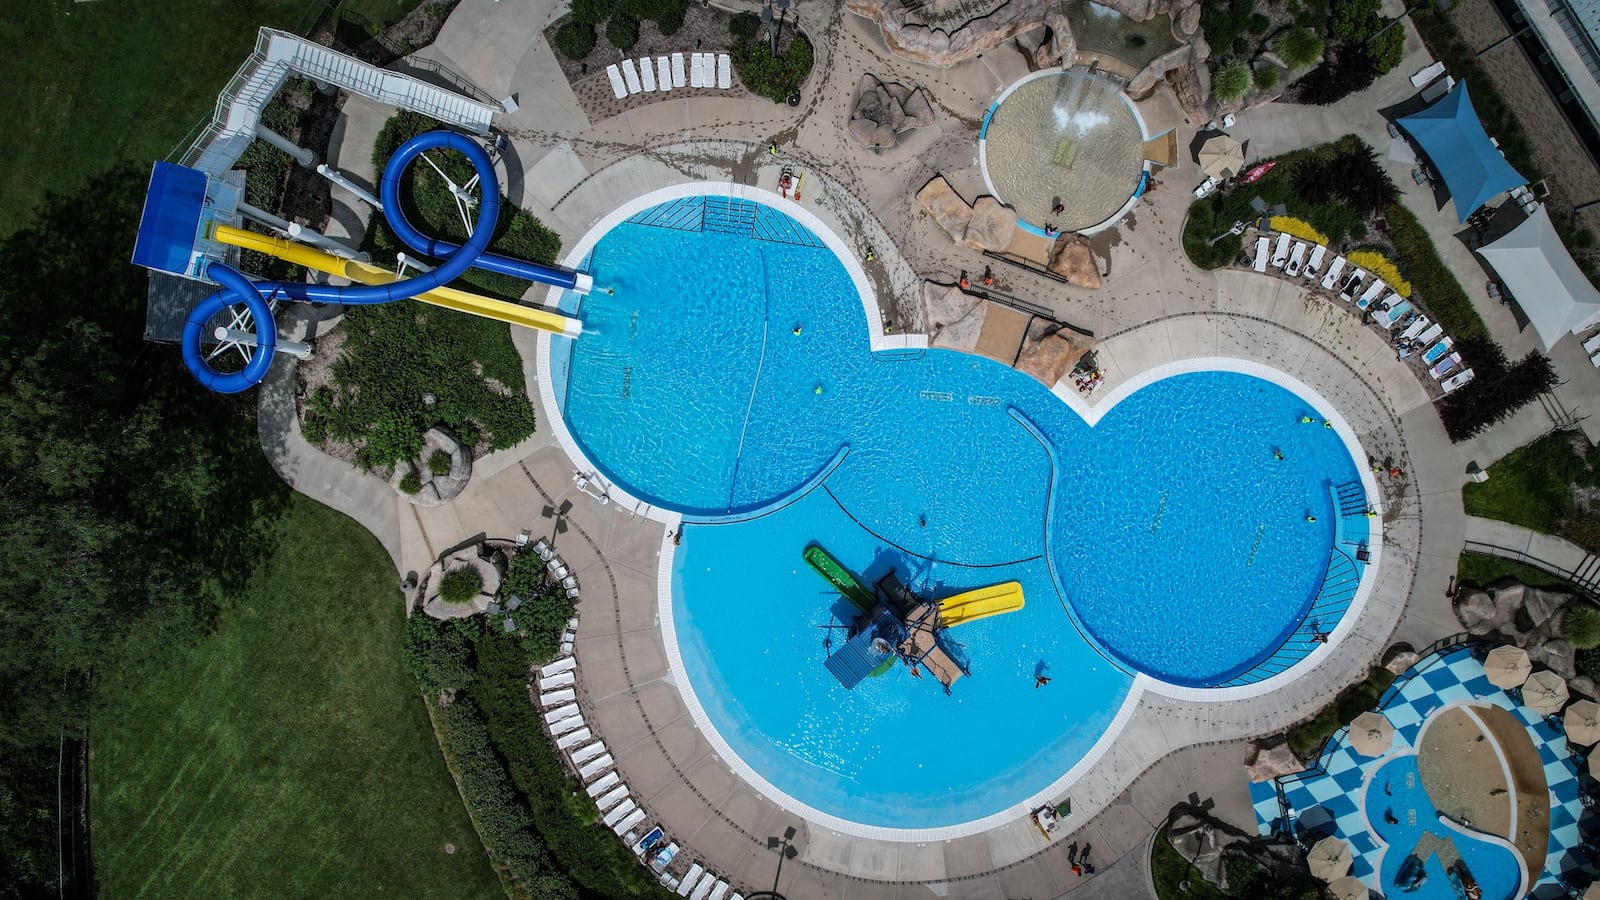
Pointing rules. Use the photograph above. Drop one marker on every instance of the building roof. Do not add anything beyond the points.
(1454, 140)
(1539, 272)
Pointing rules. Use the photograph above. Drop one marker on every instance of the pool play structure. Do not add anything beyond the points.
(785, 439)
(1064, 148)
(190, 221)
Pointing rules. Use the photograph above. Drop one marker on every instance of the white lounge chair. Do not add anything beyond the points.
(718, 892)
(1415, 328)
(1592, 345)
(552, 698)
(1331, 278)
(1280, 250)
(1428, 334)
(1390, 317)
(1594, 360)
(570, 723)
(697, 70)
(618, 812)
(631, 75)
(1261, 254)
(647, 75)
(1456, 380)
(663, 74)
(611, 798)
(1347, 292)
(573, 739)
(541, 547)
(677, 71)
(724, 71)
(559, 666)
(1205, 188)
(1367, 297)
(704, 887)
(618, 87)
(1437, 350)
(628, 821)
(687, 884)
(1445, 366)
(1296, 259)
(1314, 263)
(595, 767)
(587, 752)
(602, 784)
(558, 680)
(561, 712)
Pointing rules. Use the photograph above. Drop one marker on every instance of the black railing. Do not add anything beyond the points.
(1585, 578)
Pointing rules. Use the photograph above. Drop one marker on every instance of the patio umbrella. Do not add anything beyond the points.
(1582, 723)
(1349, 888)
(1544, 692)
(1221, 156)
(1371, 734)
(1507, 667)
(1329, 858)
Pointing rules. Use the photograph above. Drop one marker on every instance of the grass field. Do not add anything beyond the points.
(95, 84)
(1482, 571)
(288, 754)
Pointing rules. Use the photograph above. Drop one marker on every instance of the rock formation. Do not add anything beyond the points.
(989, 225)
(1072, 259)
(954, 318)
(1511, 613)
(436, 490)
(1050, 351)
(882, 112)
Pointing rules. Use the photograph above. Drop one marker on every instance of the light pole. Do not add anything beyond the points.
(786, 850)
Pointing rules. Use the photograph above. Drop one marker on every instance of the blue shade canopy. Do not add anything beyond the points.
(1454, 140)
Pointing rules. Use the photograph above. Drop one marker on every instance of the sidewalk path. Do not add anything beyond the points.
(1556, 553)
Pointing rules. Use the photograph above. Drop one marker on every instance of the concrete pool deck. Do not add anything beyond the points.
(1155, 308)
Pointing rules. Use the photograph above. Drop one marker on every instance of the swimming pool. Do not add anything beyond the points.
(1168, 539)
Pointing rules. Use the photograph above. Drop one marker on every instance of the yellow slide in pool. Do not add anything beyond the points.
(981, 603)
(367, 273)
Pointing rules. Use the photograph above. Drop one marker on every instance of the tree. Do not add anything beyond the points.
(1299, 48)
(1231, 80)
(622, 31)
(575, 39)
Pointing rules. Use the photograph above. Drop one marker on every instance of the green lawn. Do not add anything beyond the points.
(288, 754)
(94, 84)
(1533, 487)
(1482, 571)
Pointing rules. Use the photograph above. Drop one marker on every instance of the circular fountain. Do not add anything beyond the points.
(1069, 137)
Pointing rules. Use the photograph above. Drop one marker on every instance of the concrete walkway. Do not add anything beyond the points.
(1558, 554)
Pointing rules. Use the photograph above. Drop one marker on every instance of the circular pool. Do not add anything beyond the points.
(1063, 136)
(726, 372)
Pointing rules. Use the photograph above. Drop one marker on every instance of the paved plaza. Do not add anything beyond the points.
(1154, 309)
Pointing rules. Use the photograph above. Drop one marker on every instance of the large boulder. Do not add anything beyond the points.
(1050, 352)
(1271, 759)
(941, 47)
(1478, 612)
(946, 207)
(954, 318)
(1072, 259)
(992, 225)
(883, 111)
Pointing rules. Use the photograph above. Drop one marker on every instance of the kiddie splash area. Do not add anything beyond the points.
(1452, 788)
(192, 227)
(913, 591)
(1065, 148)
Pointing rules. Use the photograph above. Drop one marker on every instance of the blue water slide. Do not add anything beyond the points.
(237, 288)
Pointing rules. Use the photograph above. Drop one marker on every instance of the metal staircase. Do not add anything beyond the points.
(279, 56)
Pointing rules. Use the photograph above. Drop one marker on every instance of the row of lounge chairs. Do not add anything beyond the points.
(596, 769)
(1592, 347)
(663, 73)
(1304, 260)
(559, 573)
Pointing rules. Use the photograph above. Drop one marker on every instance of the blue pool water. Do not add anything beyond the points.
(1396, 792)
(1166, 540)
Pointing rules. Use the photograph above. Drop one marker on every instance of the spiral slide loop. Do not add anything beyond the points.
(236, 288)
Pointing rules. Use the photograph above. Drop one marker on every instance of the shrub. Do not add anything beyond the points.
(459, 586)
(1430, 278)
(1298, 228)
(1353, 21)
(437, 654)
(439, 462)
(1380, 267)
(1223, 22)
(1496, 391)
(1386, 49)
(1346, 173)
(670, 22)
(1299, 48)
(1231, 80)
(1351, 702)
(1201, 227)
(622, 31)
(410, 483)
(575, 39)
(1589, 663)
(1258, 23)
(774, 77)
(1345, 70)
(743, 26)
(1267, 78)
(592, 12)
(1580, 624)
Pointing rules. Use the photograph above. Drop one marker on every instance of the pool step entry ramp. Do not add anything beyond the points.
(729, 216)
(1351, 499)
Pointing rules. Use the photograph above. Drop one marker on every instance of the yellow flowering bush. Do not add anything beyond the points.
(1379, 265)
(1299, 228)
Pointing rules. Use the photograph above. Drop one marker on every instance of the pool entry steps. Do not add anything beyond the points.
(898, 623)
(728, 215)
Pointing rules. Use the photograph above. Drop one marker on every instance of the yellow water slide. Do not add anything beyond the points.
(366, 273)
(981, 603)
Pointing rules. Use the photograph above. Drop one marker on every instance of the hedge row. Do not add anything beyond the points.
(773, 77)
(1446, 301)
